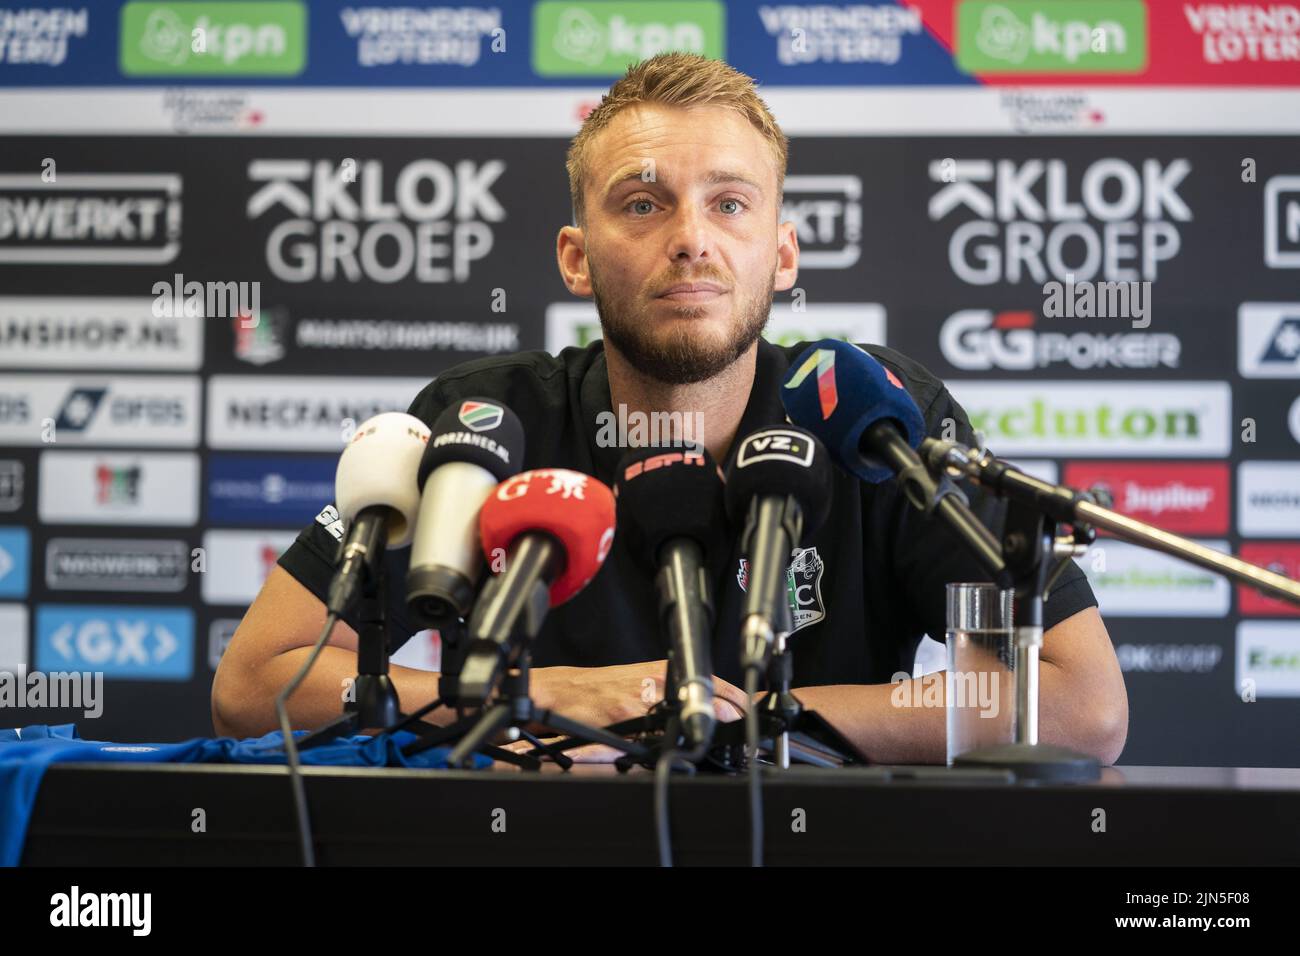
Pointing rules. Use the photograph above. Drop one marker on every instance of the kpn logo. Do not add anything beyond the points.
(214, 39)
(602, 38)
(1052, 36)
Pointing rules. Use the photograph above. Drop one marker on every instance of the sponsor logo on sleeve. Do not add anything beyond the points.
(329, 520)
(140, 643)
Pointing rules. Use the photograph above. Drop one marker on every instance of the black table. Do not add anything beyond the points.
(143, 814)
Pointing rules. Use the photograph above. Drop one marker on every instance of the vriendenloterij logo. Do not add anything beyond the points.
(480, 416)
(1060, 36)
(823, 360)
(213, 39)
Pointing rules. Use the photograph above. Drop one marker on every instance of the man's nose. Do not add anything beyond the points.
(689, 238)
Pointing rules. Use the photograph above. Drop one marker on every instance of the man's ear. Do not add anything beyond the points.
(571, 258)
(787, 257)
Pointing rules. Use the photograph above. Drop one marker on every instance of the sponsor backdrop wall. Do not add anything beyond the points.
(392, 178)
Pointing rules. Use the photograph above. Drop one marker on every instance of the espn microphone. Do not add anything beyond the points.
(872, 427)
(671, 512)
(377, 498)
(474, 445)
(779, 484)
(554, 528)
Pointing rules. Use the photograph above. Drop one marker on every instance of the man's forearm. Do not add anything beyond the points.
(902, 723)
(249, 700)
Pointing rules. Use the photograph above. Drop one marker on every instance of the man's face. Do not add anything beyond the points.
(682, 246)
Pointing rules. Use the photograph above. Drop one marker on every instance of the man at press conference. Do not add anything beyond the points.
(683, 266)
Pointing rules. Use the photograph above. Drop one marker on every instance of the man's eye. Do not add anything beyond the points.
(740, 203)
(640, 202)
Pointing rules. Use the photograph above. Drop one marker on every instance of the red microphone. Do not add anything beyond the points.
(552, 528)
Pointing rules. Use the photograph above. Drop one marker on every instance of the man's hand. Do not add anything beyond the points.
(598, 696)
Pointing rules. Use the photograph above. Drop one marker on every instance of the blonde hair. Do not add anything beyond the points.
(674, 79)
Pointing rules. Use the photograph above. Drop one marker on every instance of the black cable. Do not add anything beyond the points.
(291, 748)
(755, 791)
(663, 834)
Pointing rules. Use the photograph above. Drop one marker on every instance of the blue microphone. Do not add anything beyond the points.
(872, 427)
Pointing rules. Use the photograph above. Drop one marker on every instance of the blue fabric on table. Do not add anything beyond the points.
(27, 751)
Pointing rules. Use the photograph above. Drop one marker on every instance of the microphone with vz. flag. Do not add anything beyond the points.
(671, 516)
(552, 529)
(377, 497)
(779, 486)
(474, 445)
(872, 427)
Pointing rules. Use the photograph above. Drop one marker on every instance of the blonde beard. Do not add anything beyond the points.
(678, 357)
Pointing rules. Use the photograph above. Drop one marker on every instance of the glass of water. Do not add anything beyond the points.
(980, 689)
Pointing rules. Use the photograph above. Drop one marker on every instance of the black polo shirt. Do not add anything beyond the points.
(868, 584)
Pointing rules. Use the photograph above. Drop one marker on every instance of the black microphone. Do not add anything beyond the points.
(671, 514)
(474, 445)
(779, 483)
(872, 428)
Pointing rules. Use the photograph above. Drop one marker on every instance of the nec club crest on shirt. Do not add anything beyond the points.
(480, 416)
(803, 586)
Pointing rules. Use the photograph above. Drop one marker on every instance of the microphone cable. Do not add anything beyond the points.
(291, 748)
(755, 781)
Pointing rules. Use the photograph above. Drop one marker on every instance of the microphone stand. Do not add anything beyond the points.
(512, 709)
(1035, 509)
